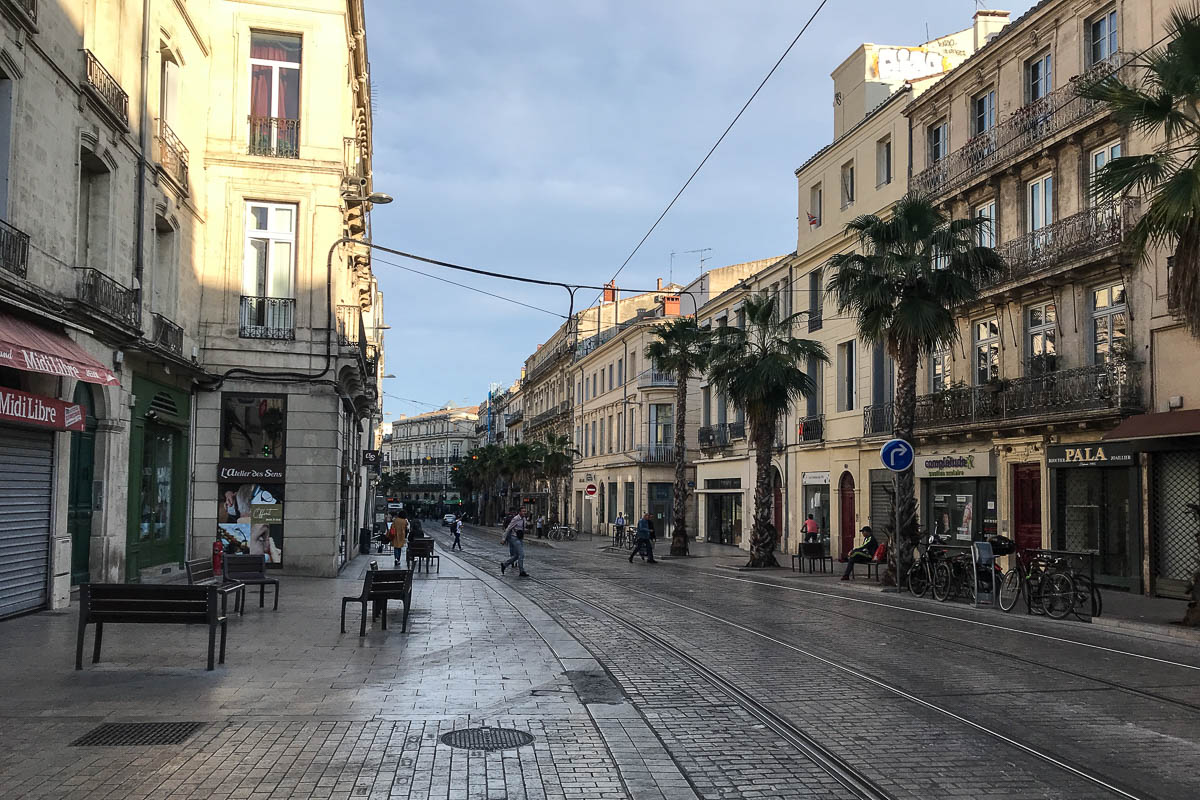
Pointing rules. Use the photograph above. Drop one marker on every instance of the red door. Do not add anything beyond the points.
(846, 512)
(1027, 506)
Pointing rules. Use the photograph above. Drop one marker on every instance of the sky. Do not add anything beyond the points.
(542, 138)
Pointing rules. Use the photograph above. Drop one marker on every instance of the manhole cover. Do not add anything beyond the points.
(487, 738)
(133, 734)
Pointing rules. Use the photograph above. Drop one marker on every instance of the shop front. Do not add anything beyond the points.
(158, 480)
(723, 511)
(816, 500)
(958, 495)
(1094, 500)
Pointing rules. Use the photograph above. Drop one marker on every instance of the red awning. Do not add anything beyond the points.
(29, 347)
(1157, 426)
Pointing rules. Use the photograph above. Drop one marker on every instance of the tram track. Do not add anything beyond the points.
(837, 767)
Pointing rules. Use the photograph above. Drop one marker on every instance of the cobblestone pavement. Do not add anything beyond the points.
(1123, 710)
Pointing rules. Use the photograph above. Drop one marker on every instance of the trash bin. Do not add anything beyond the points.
(364, 540)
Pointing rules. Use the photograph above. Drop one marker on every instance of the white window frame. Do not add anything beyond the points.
(1043, 64)
(847, 376)
(846, 181)
(989, 343)
(988, 97)
(883, 161)
(1108, 40)
(1039, 202)
(938, 137)
(942, 359)
(986, 237)
(271, 236)
(1098, 158)
(1109, 312)
(816, 197)
(275, 67)
(1047, 329)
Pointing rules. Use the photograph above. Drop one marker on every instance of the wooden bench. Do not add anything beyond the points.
(380, 586)
(200, 572)
(421, 550)
(252, 571)
(152, 603)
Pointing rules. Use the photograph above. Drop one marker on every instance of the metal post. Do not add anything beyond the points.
(896, 529)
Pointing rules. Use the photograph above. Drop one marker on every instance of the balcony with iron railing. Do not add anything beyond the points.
(274, 137)
(100, 83)
(172, 155)
(1063, 244)
(14, 250)
(167, 334)
(547, 360)
(1024, 132)
(714, 436)
(811, 429)
(1110, 388)
(656, 454)
(879, 419)
(737, 430)
(654, 379)
(26, 12)
(102, 296)
(267, 318)
(549, 415)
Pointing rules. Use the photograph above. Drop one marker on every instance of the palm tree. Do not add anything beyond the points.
(681, 348)
(758, 369)
(915, 270)
(1160, 100)
(557, 454)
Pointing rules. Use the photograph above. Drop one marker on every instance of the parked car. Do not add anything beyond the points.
(446, 520)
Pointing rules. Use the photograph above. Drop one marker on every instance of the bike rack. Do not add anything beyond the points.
(983, 557)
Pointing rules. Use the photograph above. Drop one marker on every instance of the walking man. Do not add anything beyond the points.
(645, 540)
(398, 536)
(514, 536)
(456, 528)
(541, 527)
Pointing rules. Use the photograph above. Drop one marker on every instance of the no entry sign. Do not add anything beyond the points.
(590, 489)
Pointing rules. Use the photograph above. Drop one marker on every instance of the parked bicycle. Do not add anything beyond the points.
(560, 533)
(1052, 585)
(920, 574)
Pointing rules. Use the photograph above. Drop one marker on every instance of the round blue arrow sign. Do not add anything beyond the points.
(897, 455)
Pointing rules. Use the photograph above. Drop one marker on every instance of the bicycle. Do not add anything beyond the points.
(920, 574)
(561, 533)
(1052, 586)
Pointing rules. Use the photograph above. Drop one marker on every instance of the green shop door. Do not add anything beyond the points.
(158, 478)
(79, 493)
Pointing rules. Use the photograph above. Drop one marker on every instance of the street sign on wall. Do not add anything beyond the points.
(896, 455)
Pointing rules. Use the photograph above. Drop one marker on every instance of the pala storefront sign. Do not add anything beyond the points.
(43, 412)
(244, 470)
(1090, 454)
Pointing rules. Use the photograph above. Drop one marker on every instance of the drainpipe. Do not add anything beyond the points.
(139, 267)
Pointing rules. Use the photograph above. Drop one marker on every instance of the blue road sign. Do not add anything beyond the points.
(897, 455)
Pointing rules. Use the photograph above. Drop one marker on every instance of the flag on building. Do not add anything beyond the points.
(812, 221)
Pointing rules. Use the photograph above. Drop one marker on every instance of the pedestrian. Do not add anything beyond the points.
(398, 536)
(456, 529)
(863, 554)
(812, 531)
(541, 526)
(514, 537)
(645, 540)
(619, 524)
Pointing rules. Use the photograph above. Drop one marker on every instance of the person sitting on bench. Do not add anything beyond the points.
(863, 554)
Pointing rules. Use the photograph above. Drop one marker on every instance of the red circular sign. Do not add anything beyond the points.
(590, 489)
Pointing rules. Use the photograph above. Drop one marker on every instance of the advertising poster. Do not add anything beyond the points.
(250, 520)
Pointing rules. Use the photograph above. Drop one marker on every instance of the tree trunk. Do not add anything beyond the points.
(905, 539)
(552, 512)
(679, 534)
(1184, 286)
(763, 534)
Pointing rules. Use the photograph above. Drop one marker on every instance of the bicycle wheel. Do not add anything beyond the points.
(941, 581)
(918, 579)
(1087, 603)
(1010, 589)
(1057, 595)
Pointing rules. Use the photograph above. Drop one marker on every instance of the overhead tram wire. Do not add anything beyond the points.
(472, 288)
(717, 144)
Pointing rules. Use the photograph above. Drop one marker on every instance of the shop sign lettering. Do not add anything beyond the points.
(243, 471)
(1090, 455)
(954, 465)
(44, 412)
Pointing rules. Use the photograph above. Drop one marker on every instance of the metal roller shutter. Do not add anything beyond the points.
(26, 467)
(881, 502)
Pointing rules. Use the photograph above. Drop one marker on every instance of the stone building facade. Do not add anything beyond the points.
(427, 447)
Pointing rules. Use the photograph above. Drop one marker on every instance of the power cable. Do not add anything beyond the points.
(471, 288)
(717, 144)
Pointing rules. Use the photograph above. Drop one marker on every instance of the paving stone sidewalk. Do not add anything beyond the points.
(302, 711)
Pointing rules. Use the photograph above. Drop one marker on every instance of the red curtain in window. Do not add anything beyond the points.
(260, 91)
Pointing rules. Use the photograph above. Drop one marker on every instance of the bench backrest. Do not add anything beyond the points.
(421, 547)
(388, 582)
(200, 570)
(148, 602)
(812, 549)
(242, 566)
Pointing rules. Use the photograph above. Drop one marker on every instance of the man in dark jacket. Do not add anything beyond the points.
(863, 554)
(645, 539)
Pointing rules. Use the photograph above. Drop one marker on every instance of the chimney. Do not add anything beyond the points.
(660, 284)
(670, 304)
(610, 292)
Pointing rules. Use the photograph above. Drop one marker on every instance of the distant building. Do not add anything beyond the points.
(427, 447)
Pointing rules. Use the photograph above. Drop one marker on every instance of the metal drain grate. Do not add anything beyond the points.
(487, 739)
(134, 734)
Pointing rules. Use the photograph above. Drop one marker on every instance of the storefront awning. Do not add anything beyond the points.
(1156, 426)
(32, 348)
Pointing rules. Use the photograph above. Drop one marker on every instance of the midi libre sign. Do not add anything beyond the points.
(43, 412)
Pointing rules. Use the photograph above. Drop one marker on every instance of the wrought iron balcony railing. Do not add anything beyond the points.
(1087, 233)
(737, 430)
(104, 86)
(879, 419)
(27, 7)
(1022, 131)
(714, 436)
(14, 250)
(513, 416)
(105, 296)
(814, 319)
(267, 318)
(275, 137)
(548, 360)
(549, 415)
(652, 378)
(172, 155)
(811, 429)
(167, 334)
(1112, 386)
(656, 454)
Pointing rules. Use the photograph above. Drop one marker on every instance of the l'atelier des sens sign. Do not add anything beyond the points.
(44, 412)
(249, 470)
